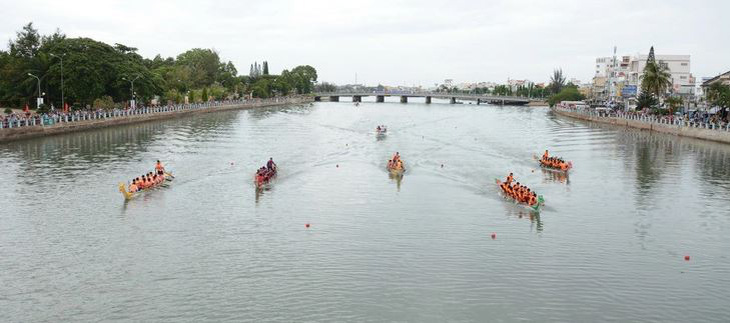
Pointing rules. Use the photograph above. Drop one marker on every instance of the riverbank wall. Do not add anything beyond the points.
(678, 128)
(26, 132)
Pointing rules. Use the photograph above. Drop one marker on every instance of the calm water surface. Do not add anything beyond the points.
(609, 245)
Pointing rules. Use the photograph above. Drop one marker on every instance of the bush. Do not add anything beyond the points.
(105, 102)
(43, 109)
(568, 93)
(8, 110)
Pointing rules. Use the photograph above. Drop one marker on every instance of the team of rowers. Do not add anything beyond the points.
(266, 173)
(148, 180)
(395, 162)
(554, 162)
(521, 193)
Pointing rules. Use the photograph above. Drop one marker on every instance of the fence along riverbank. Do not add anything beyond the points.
(46, 125)
(675, 126)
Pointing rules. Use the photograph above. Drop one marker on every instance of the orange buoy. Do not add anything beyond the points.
(494, 236)
(686, 258)
(306, 225)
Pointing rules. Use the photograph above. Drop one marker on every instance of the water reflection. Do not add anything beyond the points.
(519, 212)
(398, 178)
(551, 175)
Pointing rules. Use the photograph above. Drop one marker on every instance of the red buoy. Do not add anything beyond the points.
(306, 225)
(494, 236)
(686, 258)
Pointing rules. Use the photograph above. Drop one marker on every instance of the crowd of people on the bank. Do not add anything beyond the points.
(520, 193)
(53, 116)
(148, 180)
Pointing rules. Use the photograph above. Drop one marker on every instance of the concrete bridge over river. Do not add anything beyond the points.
(452, 97)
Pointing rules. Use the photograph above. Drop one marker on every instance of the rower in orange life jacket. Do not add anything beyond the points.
(159, 168)
(133, 187)
(545, 155)
(509, 179)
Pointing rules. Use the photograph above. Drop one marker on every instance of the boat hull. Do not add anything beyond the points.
(130, 195)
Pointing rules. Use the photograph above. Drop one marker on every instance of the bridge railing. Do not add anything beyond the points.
(431, 94)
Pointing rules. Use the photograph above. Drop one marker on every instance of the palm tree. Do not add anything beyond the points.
(557, 81)
(674, 102)
(656, 79)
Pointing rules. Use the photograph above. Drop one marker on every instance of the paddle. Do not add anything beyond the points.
(169, 174)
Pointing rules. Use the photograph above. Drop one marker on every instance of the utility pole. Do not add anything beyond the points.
(40, 99)
(132, 102)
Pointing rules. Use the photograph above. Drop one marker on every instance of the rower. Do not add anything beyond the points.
(159, 168)
(509, 179)
(545, 155)
(270, 165)
(396, 157)
(133, 186)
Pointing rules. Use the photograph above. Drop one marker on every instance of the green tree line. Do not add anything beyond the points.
(94, 71)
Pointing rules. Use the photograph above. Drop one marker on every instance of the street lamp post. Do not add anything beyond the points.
(132, 88)
(38, 101)
(63, 99)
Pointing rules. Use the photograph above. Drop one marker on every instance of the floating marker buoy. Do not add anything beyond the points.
(231, 163)
(686, 258)
(494, 236)
(306, 225)
(442, 165)
(338, 165)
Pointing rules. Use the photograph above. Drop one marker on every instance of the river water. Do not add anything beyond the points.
(610, 244)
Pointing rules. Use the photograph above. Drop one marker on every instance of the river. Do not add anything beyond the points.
(609, 245)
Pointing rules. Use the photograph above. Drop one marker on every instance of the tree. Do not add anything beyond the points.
(191, 96)
(204, 95)
(266, 68)
(646, 100)
(304, 77)
(656, 78)
(674, 103)
(557, 81)
(27, 42)
(718, 95)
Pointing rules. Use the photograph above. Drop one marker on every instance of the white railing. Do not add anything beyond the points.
(16, 121)
(653, 119)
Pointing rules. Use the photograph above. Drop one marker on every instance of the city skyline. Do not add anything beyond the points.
(404, 43)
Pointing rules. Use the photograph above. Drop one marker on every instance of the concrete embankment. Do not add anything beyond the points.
(684, 131)
(10, 134)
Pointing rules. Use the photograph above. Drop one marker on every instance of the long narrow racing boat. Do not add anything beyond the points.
(536, 207)
(262, 178)
(562, 167)
(397, 171)
(130, 195)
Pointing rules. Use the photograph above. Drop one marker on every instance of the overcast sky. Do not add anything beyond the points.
(399, 42)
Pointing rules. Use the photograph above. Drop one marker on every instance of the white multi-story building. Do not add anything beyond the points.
(678, 66)
(627, 71)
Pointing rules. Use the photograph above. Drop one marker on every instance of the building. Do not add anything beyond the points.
(622, 77)
(679, 67)
(723, 78)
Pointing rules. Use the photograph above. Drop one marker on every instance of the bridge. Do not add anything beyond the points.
(452, 97)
